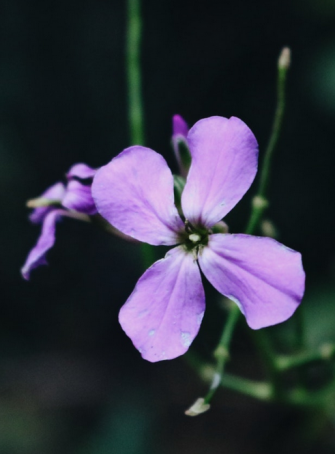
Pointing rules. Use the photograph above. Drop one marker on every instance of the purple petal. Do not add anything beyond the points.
(263, 277)
(56, 193)
(45, 242)
(224, 164)
(163, 314)
(134, 192)
(78, 197)
(81, 171)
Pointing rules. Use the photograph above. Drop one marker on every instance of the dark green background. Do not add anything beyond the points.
(70, 380)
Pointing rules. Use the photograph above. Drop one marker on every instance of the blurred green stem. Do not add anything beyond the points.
(221, 352)
(300, 328)
(264, 347)
(263, 391)
(135, 103)
(259, 205)
(260, 202)
(326, 352)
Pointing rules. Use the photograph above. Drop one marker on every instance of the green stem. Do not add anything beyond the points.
(259, 205)
(276, 128)
(274, 389)
(264, 347)
(297, 397)
(255, 389)
(221, 352)
(258, 390)
(135, 103)
(265, 391)
(325, 353)
(260, 202)
(300, 329)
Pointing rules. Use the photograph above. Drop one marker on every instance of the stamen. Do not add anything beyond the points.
(194, 237)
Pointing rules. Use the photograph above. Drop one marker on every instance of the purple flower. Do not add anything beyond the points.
(75, 200)
(134, 192)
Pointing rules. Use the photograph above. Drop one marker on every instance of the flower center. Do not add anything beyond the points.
(194, 237)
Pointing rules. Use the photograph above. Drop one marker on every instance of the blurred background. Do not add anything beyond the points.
(70, 380)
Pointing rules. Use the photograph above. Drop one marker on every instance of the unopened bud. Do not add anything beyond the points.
(260, 202)
(268, 229)
(284, 61)
(221, 352)
(220, 227)
(327, 351)
(198, 407)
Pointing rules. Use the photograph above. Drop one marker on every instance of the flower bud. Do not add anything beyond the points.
(198, 407)
(284, 61)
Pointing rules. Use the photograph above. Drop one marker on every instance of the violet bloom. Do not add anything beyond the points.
(73, 200)
(134, 192)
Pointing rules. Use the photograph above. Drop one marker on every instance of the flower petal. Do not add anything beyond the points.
(224, 164)
(56, 193)
(45, 242)
(78, 197)
(163, 314)
(263, 277)
(134, 192)
(81, 171)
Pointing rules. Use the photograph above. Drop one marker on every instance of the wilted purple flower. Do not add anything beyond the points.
(134, 192)
(73, 200)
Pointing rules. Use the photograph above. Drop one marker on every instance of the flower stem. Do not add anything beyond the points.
(300, 329)
(297, 397)
(260, 202)
(257, 390)
(221, 352)
(135, 104)
(264, 346)
(326, 352)
(134, 84)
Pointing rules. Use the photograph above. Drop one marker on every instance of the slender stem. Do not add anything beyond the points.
(297, 397)
(135, 103)
(265, 391)
(259, 205)
(260, 202)
(221, 352)
(325, 353)
(300, 328)
(264, 347)
(276, 128)
(258, 390)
